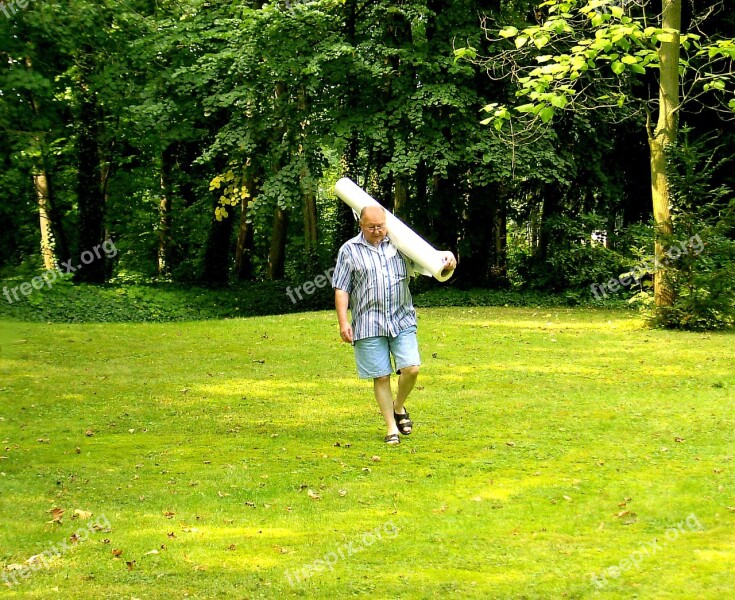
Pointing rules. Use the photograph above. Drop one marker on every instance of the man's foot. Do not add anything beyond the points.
(404, 423)
(392, 439)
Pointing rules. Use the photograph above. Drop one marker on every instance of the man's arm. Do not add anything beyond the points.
(341, 302)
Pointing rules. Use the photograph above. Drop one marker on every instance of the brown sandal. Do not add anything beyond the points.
(404, 423)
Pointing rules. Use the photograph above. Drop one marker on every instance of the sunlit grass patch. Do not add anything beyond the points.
(238, 458)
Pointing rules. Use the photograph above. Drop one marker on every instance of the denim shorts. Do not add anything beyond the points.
(373, 354)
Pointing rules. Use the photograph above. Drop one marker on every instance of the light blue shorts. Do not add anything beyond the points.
(373, 354)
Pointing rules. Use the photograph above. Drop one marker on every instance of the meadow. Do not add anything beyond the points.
(557, 453)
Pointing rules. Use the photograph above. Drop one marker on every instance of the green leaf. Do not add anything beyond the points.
(508, 32)
(521, 41)
(540, 41)
(618, 67)
(546, 113)
(630, 60)
(665, 37)
(558, 101)
(638, 69)
(526, 108)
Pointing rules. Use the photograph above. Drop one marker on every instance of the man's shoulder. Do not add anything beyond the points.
(347, 246)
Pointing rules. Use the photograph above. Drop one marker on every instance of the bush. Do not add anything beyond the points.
(703, 275)
(573, 262)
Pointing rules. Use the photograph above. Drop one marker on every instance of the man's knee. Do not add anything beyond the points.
(411, 371)
(383, 379)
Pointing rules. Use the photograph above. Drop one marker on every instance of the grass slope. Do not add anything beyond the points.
(243, 459)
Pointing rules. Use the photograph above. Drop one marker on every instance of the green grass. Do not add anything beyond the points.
(549, 445)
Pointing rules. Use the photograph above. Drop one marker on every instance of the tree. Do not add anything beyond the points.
(604, 55)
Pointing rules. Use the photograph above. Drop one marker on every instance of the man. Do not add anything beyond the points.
(371, 278)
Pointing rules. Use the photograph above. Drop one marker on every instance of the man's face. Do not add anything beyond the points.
(373, 225)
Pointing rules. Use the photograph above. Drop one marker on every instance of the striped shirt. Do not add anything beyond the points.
(376, 278)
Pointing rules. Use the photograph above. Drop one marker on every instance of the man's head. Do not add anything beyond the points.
(372, 224)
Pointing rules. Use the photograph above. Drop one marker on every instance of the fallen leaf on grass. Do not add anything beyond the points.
(81, 514)
(375, 458)
(313, 495)
(130, 564)
(56, 514)
(154, 551)
(116, 552)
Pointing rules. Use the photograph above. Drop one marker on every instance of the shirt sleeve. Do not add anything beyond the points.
(342, 278)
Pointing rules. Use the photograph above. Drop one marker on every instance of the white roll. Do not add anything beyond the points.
(427, 260)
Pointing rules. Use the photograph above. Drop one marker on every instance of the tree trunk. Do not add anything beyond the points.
(484, 262)
(665, 134)
(400, 197)
(244, 247)
(54, 247)
(277, 254)
(89, 188)
(40, 182)
(346, 227)
(217, 253)
(168, 160)
(308, 191)
(310, 221)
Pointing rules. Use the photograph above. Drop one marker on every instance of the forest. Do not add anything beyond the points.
(201, 140)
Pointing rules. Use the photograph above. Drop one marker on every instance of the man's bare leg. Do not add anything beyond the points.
(384, 397)
(406, 381)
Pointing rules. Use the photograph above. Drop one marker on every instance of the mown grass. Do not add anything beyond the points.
(549, 445)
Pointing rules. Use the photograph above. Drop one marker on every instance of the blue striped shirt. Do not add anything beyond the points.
(376, 278)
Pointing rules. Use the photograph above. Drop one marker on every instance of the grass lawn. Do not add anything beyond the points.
(562, 453)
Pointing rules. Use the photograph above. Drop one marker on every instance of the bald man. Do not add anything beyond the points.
(371, 279)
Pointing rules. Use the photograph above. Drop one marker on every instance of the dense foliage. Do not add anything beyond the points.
(203, 138)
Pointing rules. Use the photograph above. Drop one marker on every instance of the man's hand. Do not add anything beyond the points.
(341, 300)
(449, 261)
(345, 332)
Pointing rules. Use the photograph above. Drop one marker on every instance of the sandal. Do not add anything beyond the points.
(392, 439)
(404, 423)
